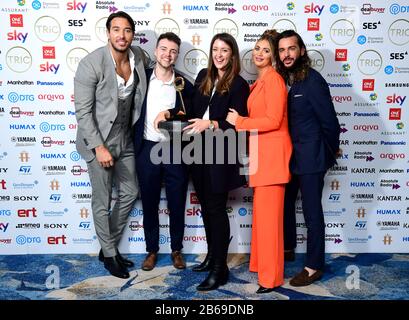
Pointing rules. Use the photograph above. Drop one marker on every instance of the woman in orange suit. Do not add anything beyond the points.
(270, 152)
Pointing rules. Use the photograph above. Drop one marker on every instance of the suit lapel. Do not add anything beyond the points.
(110, 73)
(140, 69)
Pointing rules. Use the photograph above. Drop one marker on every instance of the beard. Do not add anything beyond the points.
(297, 65)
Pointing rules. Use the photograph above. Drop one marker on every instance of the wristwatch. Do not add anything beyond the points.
(211, 125)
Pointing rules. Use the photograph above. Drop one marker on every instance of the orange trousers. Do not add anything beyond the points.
(267, 237)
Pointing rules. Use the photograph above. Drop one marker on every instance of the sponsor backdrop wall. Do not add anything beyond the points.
(360, 47)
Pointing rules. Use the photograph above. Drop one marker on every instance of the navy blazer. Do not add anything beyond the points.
(313, 124)
(224, 177)
(140, 124)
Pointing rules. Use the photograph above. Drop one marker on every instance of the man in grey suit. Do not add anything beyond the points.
(109, 88)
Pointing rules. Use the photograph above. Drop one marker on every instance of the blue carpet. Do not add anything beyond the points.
(82, 277)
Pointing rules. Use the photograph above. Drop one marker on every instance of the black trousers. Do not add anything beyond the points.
(311, 186)
(215, 218)
(150, 178)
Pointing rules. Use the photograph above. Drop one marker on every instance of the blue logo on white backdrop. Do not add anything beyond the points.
(242, 212)
(361, 39)
(68, 37)
(36, 5)
(75, 156)
(334, 8)
(396, 9)
(388, 69)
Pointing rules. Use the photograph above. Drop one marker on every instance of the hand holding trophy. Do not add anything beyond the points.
(177, 122)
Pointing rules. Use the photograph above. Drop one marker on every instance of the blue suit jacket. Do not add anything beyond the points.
(140, 124)
(313, 124)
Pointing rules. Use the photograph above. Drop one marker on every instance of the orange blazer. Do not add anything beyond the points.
(270, 147)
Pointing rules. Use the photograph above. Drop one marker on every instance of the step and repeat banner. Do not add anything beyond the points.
(360, 47)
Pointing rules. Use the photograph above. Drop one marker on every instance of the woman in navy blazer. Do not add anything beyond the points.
(217, 88)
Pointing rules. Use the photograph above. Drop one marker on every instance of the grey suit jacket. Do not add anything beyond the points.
(96, 97)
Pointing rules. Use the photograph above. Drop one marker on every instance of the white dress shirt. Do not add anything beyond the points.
(125, 89)
(161, 96)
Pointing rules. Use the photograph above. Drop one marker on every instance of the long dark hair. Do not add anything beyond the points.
(232, 69)
(300, 71)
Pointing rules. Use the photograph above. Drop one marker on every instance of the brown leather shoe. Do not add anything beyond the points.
(302, 279)
(178, 261)
(150, 261)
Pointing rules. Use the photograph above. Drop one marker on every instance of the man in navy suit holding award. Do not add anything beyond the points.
(162, 102)
(314, 130)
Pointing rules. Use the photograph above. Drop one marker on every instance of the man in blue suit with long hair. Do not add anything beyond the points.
(314, 130)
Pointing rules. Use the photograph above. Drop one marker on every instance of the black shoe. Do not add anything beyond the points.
(115, 268)
(264, 290)
(289, 255)
(217, 277)
(125, 262)
(206, 265)
(304, 279)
